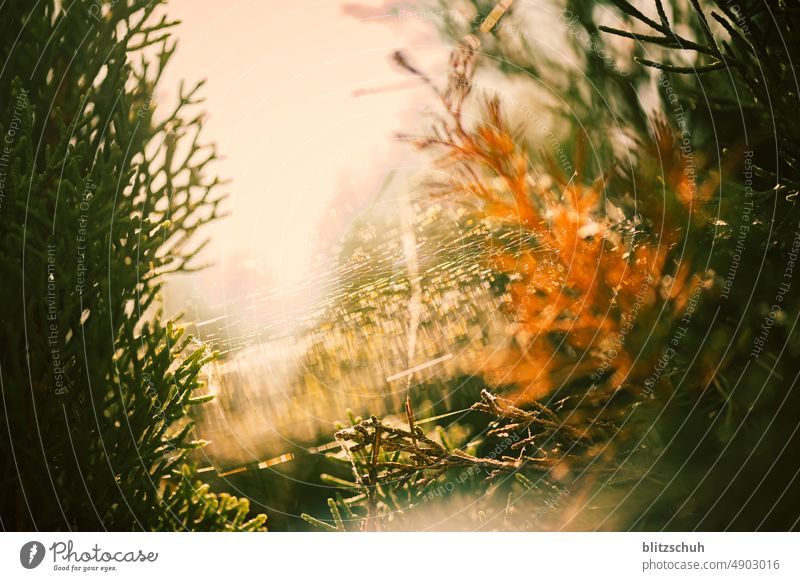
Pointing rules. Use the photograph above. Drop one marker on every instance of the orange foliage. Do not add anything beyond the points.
(589, 283)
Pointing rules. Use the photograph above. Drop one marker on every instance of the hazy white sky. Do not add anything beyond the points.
(280, 82)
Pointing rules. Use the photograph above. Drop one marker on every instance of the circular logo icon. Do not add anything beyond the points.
(31, 554)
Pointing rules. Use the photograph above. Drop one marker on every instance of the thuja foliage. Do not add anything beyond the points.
(103, 193)
(648, 380)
